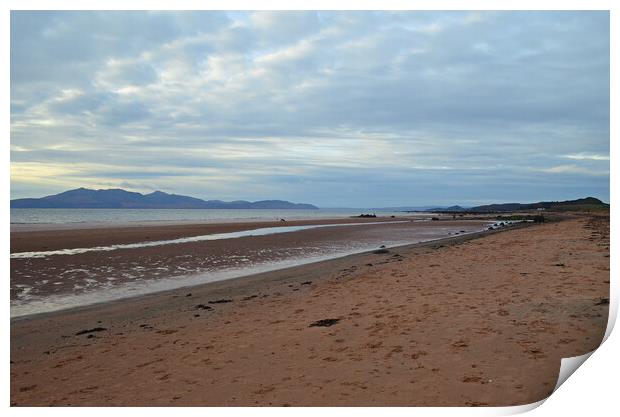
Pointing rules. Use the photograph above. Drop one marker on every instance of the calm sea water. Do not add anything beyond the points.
(127, 216)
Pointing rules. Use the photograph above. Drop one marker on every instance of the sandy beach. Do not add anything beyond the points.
(475, 320)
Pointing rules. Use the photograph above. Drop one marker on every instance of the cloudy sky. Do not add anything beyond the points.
(357, 109)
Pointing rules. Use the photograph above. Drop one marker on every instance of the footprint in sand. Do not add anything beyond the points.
(475, 379)
(476, 404)
(264, 390)
(418, 354)
(535, 353)
(459, 344)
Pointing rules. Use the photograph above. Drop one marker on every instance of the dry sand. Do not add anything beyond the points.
(473, 320)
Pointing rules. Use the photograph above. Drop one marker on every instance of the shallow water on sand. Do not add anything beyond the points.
(215, 236)
(49, 283)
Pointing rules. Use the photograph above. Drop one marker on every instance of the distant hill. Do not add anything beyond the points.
(411, 209)
(420, 208)
(588, 203)
(117, 198)
(449, 209)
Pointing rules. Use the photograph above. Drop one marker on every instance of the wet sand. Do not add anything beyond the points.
(105, 275)
(472, 320)
(26, 238)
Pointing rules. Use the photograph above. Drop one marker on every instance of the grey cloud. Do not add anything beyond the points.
(456, 99)
(122, 112)
(80, 103)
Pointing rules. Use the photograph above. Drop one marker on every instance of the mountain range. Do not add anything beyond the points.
(578, 204)
(118, 198)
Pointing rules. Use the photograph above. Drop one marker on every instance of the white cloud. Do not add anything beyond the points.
(587, 156)
(573, 169)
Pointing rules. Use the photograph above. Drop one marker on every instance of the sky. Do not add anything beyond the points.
(337, 109)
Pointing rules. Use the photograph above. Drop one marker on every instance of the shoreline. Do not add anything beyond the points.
(264, 275)
(52, 280)
(19, 227)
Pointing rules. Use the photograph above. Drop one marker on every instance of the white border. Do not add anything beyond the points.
(311, 5)
(591, 391)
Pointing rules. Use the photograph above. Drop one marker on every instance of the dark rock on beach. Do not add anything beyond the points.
(249, 297)
(324, 323)
(222, 301)
(95, 329)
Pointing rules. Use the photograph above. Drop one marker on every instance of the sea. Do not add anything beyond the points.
(104, 217)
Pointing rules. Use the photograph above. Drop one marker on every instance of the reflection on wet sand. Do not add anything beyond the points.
(48, 283)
